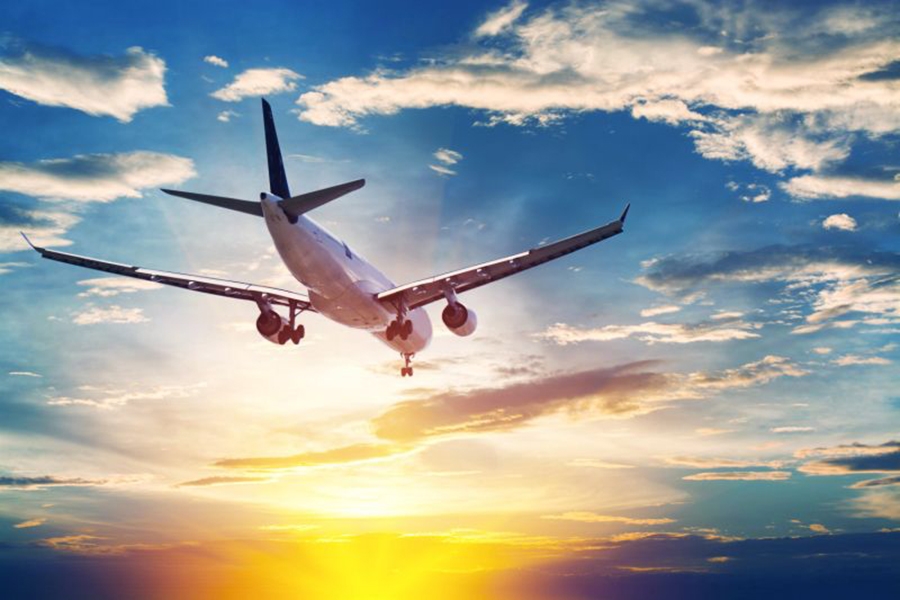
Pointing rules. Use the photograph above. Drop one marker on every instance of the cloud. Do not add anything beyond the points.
(341, 455)
(660, 310)
(258, 82)
(502, 19)
(778, 87)
(215, 61)
(210, 481)
(112, 397)
(881, 482)
(107, 287)
(226, 115)
(841, 221)
(16, 482)
(116, 86)
(835, 281)
(447, 156)
(708, 431)
(739, 476)
(95, 177)
(720, 330)
(95, 315)
(24, 374)
(597, 464)
(441, 170)
(792, 429)
(812, 187)
(621, 391)
(852, 458)
(30, 523)
(698, 462)
(819, 528)
(44, 227)
(590, 517)
(852, 359)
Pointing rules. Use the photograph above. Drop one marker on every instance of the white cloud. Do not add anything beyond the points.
(591, 517)
(660, 310)
(111, 398)
(106, 287)
(24, 374)
(258, 82)
(653, 333)
(841, 221)
(852, 359)
(811, 187)
(739, 476)
(671, 112)
(447, 156)
(822, 350)
(502, 19)
(226, 115)
(94, 315)
(442, 170)
(116, 86)
(792, 429)
(43, 227)
(95, 177)
(216, 61)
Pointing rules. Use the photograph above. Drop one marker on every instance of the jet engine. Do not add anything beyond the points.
(273, 327)
(459, 319)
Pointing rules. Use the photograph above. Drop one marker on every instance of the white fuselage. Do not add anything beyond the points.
(342, 285)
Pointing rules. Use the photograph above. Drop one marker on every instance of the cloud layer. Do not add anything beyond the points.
(258, 82)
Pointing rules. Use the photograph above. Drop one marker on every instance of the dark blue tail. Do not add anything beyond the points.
(278, 184)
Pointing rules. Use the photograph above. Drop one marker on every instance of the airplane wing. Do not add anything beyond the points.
(197, 283)
(426, 291)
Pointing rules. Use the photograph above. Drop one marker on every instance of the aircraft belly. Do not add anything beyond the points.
(355, 307)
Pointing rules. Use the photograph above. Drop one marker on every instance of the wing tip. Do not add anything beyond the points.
(624, 213)
(28, 241)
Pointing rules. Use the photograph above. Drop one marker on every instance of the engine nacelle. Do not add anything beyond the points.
(459, 319)
(269, 324)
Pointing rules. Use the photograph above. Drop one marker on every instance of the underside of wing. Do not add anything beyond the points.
(196, 283)
(426, 291)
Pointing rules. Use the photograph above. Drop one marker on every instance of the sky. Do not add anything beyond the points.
(704, 406)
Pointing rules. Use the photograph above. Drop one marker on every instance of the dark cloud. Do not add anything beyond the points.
(344, 454)
(34, 483)
(685, 274)
(852, 458)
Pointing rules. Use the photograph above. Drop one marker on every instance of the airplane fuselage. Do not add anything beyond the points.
(342, 285)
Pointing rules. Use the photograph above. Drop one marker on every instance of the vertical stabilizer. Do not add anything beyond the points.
(278, 184)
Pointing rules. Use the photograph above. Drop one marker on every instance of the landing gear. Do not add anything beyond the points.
(298, 334)
(276, 328)
(407, 370)
(399, 327)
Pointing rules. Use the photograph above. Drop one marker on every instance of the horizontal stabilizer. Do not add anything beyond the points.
(303, 203)
(244, 206)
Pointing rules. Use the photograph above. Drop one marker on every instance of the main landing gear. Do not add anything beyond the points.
(407, 370)
(294, 334)
(399, 327)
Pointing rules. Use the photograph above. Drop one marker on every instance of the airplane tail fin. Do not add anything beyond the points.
(278, 184)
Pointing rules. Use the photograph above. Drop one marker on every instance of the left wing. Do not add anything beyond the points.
(426, 291)
(197, 283)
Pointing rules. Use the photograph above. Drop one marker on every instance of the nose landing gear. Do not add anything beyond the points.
(406, 370)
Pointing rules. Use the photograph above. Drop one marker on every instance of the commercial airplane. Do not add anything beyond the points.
(342, 285)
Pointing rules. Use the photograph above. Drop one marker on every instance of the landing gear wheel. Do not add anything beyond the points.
(407, 370)
(298, 334)
(406, 330)
(284, 335)
(391, 332)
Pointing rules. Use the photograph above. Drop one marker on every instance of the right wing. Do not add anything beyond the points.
(425, 291)
(197, 283)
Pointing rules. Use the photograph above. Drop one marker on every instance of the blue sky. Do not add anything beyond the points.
(723, 375)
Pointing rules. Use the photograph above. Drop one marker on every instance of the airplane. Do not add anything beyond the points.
(341, 284)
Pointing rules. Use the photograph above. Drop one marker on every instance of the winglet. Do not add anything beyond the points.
(33, 247)
(624, 213)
